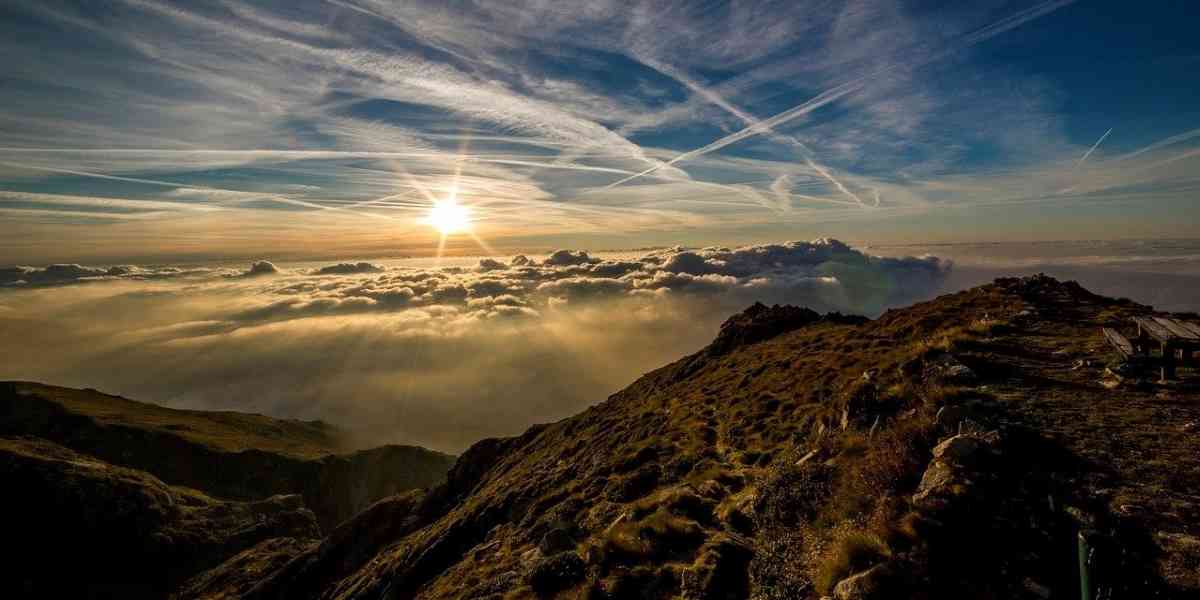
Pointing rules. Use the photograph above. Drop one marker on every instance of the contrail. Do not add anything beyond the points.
(832, 94)
(269, 197)
(750, 120)
(1175, 139)
(1093, 148)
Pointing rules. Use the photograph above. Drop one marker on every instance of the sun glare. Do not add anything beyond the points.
(448, 216)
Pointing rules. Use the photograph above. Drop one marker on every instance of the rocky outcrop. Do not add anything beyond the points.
(758, 323)
(80, 527)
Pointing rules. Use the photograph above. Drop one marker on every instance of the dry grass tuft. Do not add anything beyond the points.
(855, 552)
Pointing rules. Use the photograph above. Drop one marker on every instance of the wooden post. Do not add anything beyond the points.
(1168, 362)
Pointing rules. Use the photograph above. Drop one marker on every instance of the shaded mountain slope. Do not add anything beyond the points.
(229, 455)
(954, 448)
(78, 527)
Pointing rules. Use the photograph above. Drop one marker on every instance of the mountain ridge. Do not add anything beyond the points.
(824, 456)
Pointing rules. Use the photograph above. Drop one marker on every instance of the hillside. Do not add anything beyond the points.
(78, 527)
(229, 455)
(956, 448)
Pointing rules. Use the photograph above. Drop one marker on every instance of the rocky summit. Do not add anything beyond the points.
(979, 445)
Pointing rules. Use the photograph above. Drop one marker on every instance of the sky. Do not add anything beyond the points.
(143, 131)
(430, 223)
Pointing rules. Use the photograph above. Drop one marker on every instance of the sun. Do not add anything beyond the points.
(448, 216)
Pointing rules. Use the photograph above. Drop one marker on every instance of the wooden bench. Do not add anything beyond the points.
(1122, 344)
(1177, 340)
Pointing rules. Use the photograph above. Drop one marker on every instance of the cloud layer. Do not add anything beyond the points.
(433, 356)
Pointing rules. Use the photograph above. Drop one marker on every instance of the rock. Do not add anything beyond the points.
(936, 484)
(947, 369)
(862, 586)
(553, 573)
(951, 473)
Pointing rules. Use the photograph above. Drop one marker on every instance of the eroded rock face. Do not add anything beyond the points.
(122, 532)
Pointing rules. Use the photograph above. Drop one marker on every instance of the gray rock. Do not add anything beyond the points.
(935, 485)
(963, 450)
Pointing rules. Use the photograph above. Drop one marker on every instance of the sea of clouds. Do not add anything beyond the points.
(439, 357)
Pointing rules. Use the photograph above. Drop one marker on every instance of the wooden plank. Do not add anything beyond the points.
(1177, 328)
(1120, 342)
(1194, 328)
(1152, 327)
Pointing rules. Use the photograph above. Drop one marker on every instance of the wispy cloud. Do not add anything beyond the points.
(624, 120)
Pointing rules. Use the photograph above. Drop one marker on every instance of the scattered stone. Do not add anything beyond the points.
(949, 370)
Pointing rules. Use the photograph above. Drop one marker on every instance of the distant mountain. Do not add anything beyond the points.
(138, 497)
(958, 448)
(78, 527)
(228, 454)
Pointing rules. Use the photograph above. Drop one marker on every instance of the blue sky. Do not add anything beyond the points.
(160, 131)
